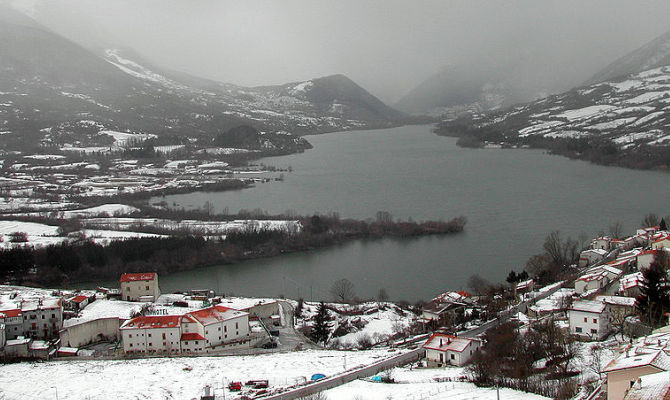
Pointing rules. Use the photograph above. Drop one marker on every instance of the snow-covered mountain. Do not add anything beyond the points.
(624, 121)
(652, 55)
(49, 85)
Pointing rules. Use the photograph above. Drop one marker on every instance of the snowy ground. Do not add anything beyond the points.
(166, 378)
(418, 384)
(40, 235)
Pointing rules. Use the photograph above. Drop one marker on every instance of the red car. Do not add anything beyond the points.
(235, 386)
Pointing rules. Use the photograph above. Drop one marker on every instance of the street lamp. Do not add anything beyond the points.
(56, 389)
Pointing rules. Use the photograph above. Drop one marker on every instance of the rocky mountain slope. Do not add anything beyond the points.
(652, 55)
(624, 122)
(54, 92)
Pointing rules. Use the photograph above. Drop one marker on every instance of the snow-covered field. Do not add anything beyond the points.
(415, 384)
(169, 378)
(40, 235)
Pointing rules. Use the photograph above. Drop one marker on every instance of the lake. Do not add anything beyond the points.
(512, 198)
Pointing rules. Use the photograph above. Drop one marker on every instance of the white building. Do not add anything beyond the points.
(444, 350)
(589, 319)
(591, 256)
(143, 286)
(217, 325)
(592, 281)
(152, 334)
(42, 318)
(203, 331)
(13, 320)
(602, 243)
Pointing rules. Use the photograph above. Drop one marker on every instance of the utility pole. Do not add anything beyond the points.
(498, 392)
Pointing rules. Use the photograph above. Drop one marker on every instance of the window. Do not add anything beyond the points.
(53, 315)
(219, 329)
(42, 316)
(127, 288)
(594, 321)
(147, 287)
(150, 344)
(131, 345)
(149, 335)
(130, 335)
(594, 331)
(578, 329)
(163, 336)
(585, 319)
(452, 357)
(237, 326)
(225, 328)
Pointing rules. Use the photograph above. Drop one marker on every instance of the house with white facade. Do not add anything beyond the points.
(630, 284)
(602, 243)
(42, 318)
(152, 334)
(591, 256)
(13, 320)
(202, 331)
(140, 287)
(444, 308)
(442, 349)
(592, 281)
(589, 319)
(217, 326)
(661, 243)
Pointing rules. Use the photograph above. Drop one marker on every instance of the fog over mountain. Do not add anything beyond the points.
(388, 46)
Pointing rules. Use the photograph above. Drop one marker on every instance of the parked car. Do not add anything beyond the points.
(270, 345)
(235, 386)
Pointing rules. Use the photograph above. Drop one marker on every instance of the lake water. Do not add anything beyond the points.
(512, 198)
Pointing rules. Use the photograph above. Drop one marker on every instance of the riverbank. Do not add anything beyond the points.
(78, 259)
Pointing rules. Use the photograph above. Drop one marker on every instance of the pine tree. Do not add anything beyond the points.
(654, 299)
(321, 328)
(663, 226)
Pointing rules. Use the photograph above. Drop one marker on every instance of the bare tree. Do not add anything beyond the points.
(342, 290)
(561, 252)
(650, 219)
(616, 230)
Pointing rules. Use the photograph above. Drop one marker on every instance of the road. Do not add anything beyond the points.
(289, 337)
(348, 376)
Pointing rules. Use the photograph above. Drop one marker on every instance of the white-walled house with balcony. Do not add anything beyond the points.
(589, 319)
(442, 349)
(152, 334)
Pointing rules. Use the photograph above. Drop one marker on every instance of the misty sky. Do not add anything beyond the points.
(387, 46)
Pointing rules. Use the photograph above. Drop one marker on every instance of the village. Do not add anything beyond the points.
(611, 353)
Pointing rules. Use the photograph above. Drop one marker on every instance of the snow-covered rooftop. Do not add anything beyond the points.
(617, 300)
(652, 386)
(591, 306)
(443, 342)
(656, 359)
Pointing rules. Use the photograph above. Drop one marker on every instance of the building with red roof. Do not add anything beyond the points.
(202, 331)
(152, 334)
(140, 286)
(442, 349)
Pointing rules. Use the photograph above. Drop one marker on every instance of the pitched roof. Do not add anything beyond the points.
(191, 336)
(215, 314)
(11, 313)
(144, 276)
(152, 322)
(617, 300)
(442, 342)
(79, 299)
(588, 306)
(656, 359)
(652, 386)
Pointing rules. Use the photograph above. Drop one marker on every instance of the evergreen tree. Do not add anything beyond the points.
(663, 225)
(321, 328)
(654, 299)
